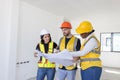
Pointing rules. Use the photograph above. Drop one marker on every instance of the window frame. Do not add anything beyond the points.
(112, 34)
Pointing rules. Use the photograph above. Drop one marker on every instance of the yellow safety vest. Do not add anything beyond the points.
(44, 62)
(92, 58)
(71, 46)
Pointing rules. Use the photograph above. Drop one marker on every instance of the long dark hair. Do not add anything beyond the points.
(42, 41)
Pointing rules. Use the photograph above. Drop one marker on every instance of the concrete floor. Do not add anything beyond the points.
(110, 73)
(107, 74)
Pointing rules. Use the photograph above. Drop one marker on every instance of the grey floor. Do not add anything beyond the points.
(107, 74)
(110, 73)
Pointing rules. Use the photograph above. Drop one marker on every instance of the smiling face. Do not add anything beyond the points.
(46, 38)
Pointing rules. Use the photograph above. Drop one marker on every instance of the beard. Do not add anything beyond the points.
(66, 34)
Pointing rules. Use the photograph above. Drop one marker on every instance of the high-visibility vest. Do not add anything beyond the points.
(71, 46)
(44, 63)
(92, 58)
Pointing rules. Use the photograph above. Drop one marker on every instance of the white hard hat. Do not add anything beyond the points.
(44, 31)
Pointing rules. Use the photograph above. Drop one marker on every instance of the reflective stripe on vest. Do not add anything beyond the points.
(92, 58)
(71, 46)
(44, 62)
(96, 50)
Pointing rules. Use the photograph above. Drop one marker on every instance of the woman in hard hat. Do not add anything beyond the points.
(45, 67)
(91, 67)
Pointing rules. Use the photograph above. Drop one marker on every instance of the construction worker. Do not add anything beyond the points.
(71, 43)
(91, 67)
(45, 67)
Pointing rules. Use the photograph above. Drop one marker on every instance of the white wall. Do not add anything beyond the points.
(4, 39)
(8, 38)
(31, 21)
(104, 22)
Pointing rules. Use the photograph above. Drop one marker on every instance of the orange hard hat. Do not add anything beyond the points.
(66, 25)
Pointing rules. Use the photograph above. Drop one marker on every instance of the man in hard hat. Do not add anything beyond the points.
(71, 43)
(91, 67)
(45, 67)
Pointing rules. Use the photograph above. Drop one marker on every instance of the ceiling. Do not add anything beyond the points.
(72, 9)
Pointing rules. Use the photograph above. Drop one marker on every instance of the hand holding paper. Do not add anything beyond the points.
(64, 57)
(38, 53)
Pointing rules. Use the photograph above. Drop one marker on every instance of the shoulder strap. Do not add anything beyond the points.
(60, 40)
(90, 38)
(75, 43)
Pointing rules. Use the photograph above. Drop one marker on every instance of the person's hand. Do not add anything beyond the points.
(56, 51)
(35, 54)
(75, 59)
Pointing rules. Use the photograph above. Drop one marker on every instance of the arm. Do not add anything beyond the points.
(37, 48)
(56, 48)
(90, 45)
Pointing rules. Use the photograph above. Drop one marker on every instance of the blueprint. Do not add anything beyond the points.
(63, 58)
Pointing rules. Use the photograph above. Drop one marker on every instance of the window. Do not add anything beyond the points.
(110, 42)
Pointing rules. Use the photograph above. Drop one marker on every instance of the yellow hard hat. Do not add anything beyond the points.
(84, 27)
